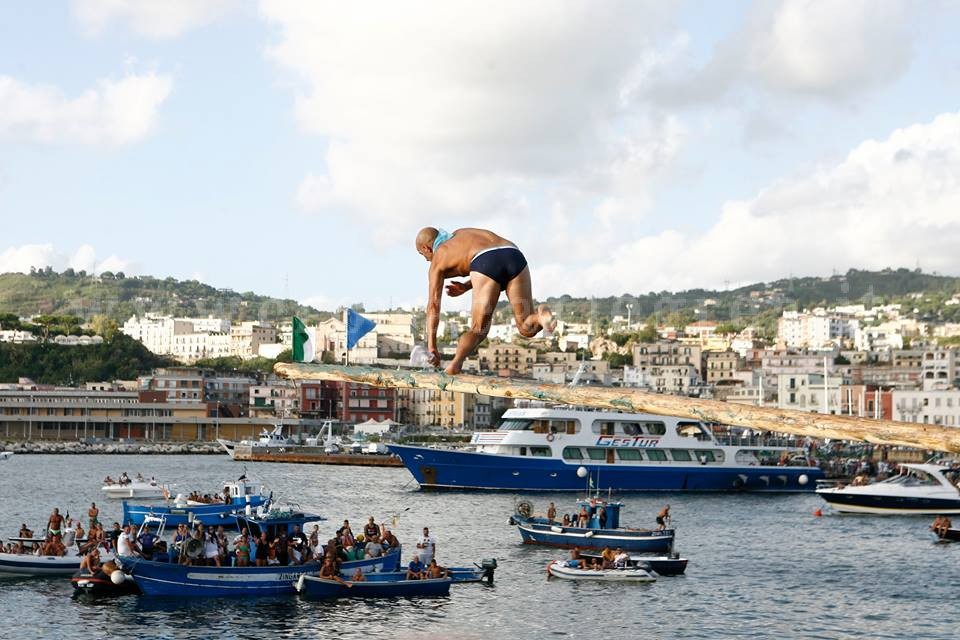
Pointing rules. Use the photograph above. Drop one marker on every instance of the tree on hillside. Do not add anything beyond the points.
(105, 327)
(648, 334)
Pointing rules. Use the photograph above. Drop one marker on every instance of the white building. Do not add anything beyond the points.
(503, 332)
(882, 337)
(805, 392)
(77, 341)
(16, 336)
(815, 330)
(573, 341)
(930, 407)
(939, 369)
(246, 338)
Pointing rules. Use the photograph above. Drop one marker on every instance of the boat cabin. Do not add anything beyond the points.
(274, 522)
(611, 510)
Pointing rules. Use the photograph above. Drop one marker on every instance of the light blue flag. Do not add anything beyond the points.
(357, 327)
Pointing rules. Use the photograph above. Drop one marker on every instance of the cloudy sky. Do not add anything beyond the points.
(294, 148)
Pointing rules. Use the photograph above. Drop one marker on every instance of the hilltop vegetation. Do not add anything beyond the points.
(121, 358)
(117, 297)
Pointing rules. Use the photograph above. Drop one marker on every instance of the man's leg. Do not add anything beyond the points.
(529, 320)
(486, 292)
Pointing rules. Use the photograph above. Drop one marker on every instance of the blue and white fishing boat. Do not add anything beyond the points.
(540, 449)
(325, 589)
(541, 531)
(185, 581)
(242, 494)
(477, 573)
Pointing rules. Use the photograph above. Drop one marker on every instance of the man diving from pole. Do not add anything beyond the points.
(493, 264)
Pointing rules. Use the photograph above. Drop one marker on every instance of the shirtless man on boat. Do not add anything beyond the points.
(494, 265)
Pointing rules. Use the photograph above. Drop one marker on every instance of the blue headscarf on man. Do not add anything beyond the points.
(442, 236)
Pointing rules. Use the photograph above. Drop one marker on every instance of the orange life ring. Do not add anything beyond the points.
(550, 437)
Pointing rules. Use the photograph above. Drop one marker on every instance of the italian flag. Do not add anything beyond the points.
(304, 342)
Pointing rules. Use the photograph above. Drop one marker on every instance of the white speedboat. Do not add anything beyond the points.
(273, 438)
(561, 569)
(921, 489)
(6, 455)
(141, 489)
(13, 565)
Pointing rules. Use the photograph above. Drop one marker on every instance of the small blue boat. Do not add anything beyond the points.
(242, 494)
(185, 581)
(594, 536)
(476, 573)
(322, 588)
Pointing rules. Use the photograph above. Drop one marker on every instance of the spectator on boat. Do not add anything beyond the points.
(389, 540)
(663, 518)
(329, 571)
(242, 549)
(370, 529)
(602, 517)
(263, 549)
(108, 481)
(115, 533)
(92, 514)
(160, 552)
(147, 540)
(373, 548)
(124, 478)
(139, 477)
(272, 556)
(283, 551)
(415, 570)
(436, 571)
(940, 526)
(583, 518)
(427, 545)
(69, 534)
(315, 538)
(126, 544)
(211, 550)
(295, 550)
(607, 558)
(25, 532)
(620, 559)
(551, 513)
(55, 523)
(358, 576)
(79, 532)
(90, 563)
(575, 561)
(566, 520)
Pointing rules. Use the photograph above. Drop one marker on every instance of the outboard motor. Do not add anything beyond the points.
(488, 565)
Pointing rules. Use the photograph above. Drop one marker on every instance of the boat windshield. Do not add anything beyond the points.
(512, 424)
(913, 478)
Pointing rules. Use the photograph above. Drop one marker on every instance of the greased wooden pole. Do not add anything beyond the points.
(908, 434)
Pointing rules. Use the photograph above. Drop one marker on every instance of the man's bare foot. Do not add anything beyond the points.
(453, 369)
(547, 321)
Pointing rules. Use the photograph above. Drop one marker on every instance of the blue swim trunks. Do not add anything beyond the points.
(502, 264)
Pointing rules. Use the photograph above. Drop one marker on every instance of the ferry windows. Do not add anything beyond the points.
(680, 455)
(692, 430)
(569, 427)
(630, 454)
(657, 455)
(706, 456)
(655, 428)
(542, 452)
(597, 453)
(515, 425)
(632, 429)
(572, 453)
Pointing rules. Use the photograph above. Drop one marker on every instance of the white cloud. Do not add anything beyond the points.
(820, 48)
(150, 18)
(889, 203)
(116, 112)
(39, 256)
(463, 111)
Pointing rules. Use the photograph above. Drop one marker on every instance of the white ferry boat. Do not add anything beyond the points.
(541, 449)
(273, 438)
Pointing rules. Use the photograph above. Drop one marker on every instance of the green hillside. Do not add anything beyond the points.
(119, 297)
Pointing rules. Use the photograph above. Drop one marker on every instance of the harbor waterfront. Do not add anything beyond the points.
(760, 565)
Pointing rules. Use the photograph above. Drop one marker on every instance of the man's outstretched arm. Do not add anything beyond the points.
(433, 313)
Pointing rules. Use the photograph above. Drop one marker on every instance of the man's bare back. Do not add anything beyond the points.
(494, 264)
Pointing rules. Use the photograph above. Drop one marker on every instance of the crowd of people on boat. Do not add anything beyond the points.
(608, 559)
(124, 480)
(941, 525)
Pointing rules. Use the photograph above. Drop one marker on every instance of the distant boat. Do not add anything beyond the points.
(922, 489)
(6, 455)
(561, 569)
(242, 494)
(273, 438)
(541, 531)
(140, 489)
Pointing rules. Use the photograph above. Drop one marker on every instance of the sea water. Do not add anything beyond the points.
(761, 566)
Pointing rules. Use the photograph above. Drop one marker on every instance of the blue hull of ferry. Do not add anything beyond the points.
(446, 469)
(164, 579)
(205, 514)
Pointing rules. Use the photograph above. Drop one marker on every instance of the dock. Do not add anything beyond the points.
(313, 455)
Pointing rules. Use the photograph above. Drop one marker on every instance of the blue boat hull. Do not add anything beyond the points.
(205, 514)
(569, 537)
(446, 469)
(457, 574)
(327, 589)
(176, 580)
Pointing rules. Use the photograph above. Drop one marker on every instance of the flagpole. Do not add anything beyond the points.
(346, 337)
